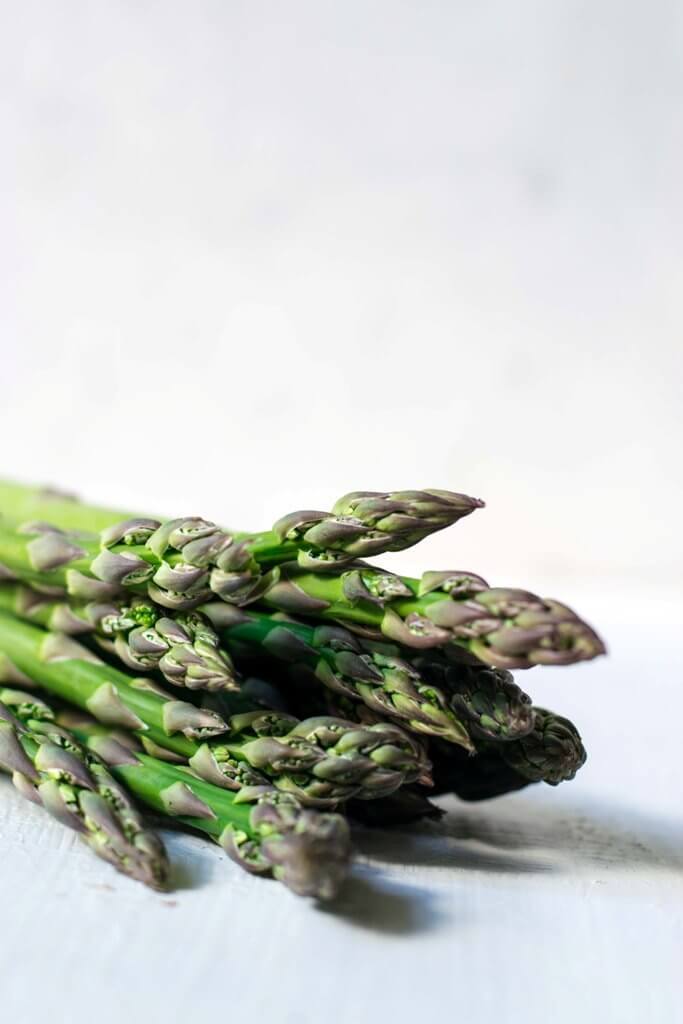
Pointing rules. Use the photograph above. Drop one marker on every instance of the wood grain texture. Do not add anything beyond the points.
(550, 904)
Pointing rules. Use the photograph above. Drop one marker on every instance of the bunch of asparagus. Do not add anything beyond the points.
(264, 688)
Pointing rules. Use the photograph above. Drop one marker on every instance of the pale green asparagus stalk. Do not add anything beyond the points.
(321, 760)
(361, 524)
(131, 557)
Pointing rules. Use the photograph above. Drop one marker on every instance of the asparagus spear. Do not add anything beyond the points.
(361, 524)
(50, 768)
(501, 627)
(182, 563)
(122, 558)
(264, 830)
(367, 671)
(73, 673)
(183, 647)
(552, 753)
(365, 523)
(427, 692)
(259, 703)
(321, 760)
(487, 699)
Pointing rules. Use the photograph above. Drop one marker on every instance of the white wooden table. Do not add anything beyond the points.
(559, 905)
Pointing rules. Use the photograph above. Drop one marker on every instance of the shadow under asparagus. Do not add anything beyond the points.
(491, 837)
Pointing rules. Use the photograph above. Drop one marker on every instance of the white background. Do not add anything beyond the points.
(254, 255)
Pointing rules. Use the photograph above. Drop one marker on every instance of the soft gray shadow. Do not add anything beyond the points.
(430, 845)
(386, 906)
(434, 844)
(520, 835)
(593, 833)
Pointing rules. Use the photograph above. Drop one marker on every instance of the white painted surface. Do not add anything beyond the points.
(553, 904)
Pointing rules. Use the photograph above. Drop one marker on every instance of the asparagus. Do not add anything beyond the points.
(264, 830)
(362, 523)
(50, 768)
(491, 704)
(501, 627)
(183, 563)
(551, 753)
(322, 760)
(366, 671)
(183, 647)
(365, 523)
(26, 705)
(431, 654)
(66, 669)
(343, 735)
(487, 699)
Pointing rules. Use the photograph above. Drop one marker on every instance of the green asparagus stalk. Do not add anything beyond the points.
(184, 646)
(182, 563)
(66, 669)
(363, 671)
(501, 627)
(321, 760)
(427, 692)
(121, 559)
(264, 830)
(50, 768)
(361, 524)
